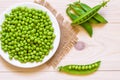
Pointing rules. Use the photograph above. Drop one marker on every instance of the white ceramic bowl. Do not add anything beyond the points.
(56, 32)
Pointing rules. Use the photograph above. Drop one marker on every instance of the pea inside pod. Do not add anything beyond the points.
(80, 69)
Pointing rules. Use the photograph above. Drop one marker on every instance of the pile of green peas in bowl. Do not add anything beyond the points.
(27, 34)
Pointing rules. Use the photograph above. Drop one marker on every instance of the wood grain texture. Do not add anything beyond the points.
(104, 46)
(100, 75)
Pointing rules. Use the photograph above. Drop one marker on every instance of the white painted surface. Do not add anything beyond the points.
(104, 46)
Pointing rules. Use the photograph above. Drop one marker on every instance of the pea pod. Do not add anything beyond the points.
(89, 14)
(71, 15)
(85, 25)
(98, 17)
(80, 11)
(80, 69)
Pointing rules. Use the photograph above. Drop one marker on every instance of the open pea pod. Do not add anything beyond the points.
(98, 17)
(89, 14)
(85, 25)
(80, 69)
(79, 11)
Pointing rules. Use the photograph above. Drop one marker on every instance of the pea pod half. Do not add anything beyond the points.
(98, 17)
(79, 11)
(89, 14)
(80, 69)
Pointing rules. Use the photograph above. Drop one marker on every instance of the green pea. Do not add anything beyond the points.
(17, 49)
(83, 68)
(37, 48)
(28, 40)
(51, 46)
(37, 54)
(40, 53)
(16, 57)
(93, 65)
(76, 67)
(25, 47)
(79, 67)
(49, 33)
(96, 64)
(73, 66)
(47, 53)
(70, 67)
(86, 67)
(41, 60)
(89, 66)
(25, 61)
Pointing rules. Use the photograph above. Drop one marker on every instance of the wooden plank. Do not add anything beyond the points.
(103, 46)
(101, 75)
(98, 47)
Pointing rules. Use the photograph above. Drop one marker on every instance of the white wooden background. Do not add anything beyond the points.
(104, 46)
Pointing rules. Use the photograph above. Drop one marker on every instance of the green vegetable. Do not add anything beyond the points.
(80, 69)
(80, 11)
(89, 14)
(85, 25)
(27, 34)
(97, 16)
